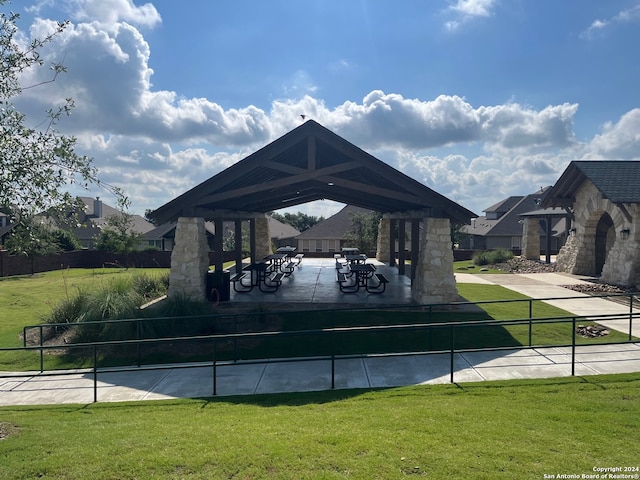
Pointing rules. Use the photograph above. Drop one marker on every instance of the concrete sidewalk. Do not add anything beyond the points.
(267, 377)
(362, 372)
(550, 285)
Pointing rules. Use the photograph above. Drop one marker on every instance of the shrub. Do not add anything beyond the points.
(492, 257)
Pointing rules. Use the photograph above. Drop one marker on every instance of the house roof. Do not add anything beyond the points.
(309, 163)
(334, 227)
(504, 205)
(139, 224)
(280, 231)
(617, 180)
(509, 223)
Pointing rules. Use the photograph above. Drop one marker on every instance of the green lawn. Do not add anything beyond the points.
(497, 430)
(26, 299)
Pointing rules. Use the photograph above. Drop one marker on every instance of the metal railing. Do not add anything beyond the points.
(215, 340)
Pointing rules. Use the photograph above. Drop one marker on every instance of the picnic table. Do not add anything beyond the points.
(287, 249)
(260, 274)
(363, 272)
(276, 260)
(354, 259)
(353, 276)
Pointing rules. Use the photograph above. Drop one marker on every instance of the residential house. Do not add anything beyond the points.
(330, 234)
(94, 218)
(501, 226)
(162, 237)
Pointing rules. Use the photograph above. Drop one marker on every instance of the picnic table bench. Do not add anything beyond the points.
(380, 287)
(261, 275)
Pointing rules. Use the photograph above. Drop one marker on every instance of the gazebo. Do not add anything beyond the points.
(312, 163)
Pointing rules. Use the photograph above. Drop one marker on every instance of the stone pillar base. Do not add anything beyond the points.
(189, 259)
(434, 281)
(383, 251)
(531, 239)
(263, 238)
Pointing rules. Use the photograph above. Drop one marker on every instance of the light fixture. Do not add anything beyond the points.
(624, 233)
(572, 232)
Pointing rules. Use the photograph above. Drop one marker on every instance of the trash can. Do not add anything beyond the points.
(218, 286)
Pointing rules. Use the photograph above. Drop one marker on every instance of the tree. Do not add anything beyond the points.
(117, 235)
(300, 221)
(36, 162)
(364, 231)
(31, 238)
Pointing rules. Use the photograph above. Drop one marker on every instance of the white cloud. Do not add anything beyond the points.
(113, 12)
(467, 10)
(619, 140)
(630, 15)
(473, 8)
(156, 144)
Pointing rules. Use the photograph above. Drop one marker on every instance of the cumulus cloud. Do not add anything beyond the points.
(620, 140)
(156, 144)
(113, 12)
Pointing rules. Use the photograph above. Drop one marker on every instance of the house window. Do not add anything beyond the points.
(318, 245)
(515, 242)
(305, 245)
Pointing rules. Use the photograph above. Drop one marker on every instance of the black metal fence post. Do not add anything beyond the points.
(95, 374)
(333, 371)
(630, 315)
(453, 347)
(41, 351)
(573, 347)
(215, 370)
(139, 337)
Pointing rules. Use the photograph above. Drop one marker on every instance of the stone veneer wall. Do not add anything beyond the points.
(383, 246)
(263, 238)
(434, 281)
(189, 259)
(577, 256)
(531, 239)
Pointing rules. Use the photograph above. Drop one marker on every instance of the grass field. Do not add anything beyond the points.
(492, 430)
(497, 430)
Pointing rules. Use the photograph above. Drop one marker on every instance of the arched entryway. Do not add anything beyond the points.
(605, 237)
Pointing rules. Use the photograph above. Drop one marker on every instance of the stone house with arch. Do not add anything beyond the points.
(602, 199)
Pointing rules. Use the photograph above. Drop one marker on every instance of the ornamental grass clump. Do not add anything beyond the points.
(119, 298)
(492, 257)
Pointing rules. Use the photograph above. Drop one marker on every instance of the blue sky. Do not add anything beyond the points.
(478, 99)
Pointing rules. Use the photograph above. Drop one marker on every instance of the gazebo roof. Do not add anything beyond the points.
(309, 163)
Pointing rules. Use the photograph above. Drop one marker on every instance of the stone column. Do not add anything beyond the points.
(531, 239)
(623, 260)
(383, 247)
(263, 238)
(189, 259)
(434, 281)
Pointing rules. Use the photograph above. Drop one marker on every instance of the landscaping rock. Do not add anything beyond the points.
(522, 265)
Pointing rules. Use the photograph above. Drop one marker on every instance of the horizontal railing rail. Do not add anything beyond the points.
(428, 308)
(216, 339)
